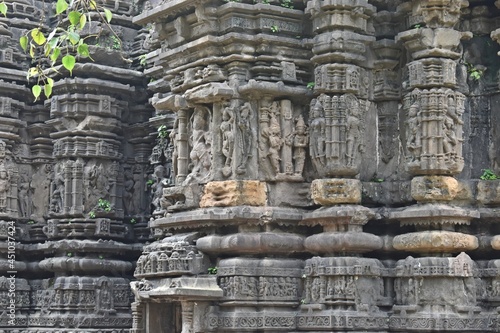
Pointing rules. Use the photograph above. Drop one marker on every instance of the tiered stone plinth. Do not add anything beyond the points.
(273, 286)
(343, 294)
(438, 294)
(342, 290)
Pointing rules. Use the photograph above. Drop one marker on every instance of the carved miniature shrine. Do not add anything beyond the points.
(256, 166)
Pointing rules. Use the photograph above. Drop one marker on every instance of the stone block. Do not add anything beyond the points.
(290, 194)
(252, 243)
(434, 188)
(234, 193)
(488, 192)
(336, 191)
(495, 242)
(435, 242)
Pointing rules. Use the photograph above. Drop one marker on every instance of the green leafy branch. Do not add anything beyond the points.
(103, 204)
(474, 72)
(488, 174)
(64, 43)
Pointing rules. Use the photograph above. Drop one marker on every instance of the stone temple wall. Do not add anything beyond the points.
(256, 166)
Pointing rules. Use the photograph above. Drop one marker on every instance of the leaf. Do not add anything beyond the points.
(74, 17)
(36, 90)
(61, 6)
(32, 50)
(83, 50)
(109, 14)
(38, 36)
(47, 90)
(3, 8)
(92, 5)
(52, 43)
(68, 62)
(83, 21)
(23, 41)
(33, 71)
(73, 37)
(55, 55)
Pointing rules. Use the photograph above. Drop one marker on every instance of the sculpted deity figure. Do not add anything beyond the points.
(274, 141)
(227, 130)
(299, 140)
(452, 111)
(353, 143)
(317, 132)
(57, 200)
(23, 195)
(4, 188)
(245, 137)
(128, 192)
(99, 181)
(413, 142)
(450, 140)
(159, 182)
(201, 140)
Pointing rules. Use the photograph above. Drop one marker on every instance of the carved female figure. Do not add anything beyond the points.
(227, 130)
(300, 141)
(23, 196)
(128, 192)
(245, 137)
(274, 141)
(201, 155)
(413, 142)
(450, 140)
(56, 202)
(353, 141)
(157, 187)
(317, 131)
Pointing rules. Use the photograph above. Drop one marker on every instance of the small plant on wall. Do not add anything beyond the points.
(488, 174)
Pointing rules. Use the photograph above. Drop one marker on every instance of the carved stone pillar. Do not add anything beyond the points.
(432, 105)
(387, 95)
(337, 117)
(433, 108)
(182, 144)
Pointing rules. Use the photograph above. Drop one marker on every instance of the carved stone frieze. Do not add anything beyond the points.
(434, 131)
(336, 127)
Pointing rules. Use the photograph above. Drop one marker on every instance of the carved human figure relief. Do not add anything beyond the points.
(434, 129)
(24, 194)
(227, 133)
(317, 132)
(4, 187)
(128, 192)
(201, 146)
(413, 142)
(299, 141)
(245, 137)
(99, 184)
(157, 187)
(57, 197)
(336, 134)
(272, 134)
(354, 144)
